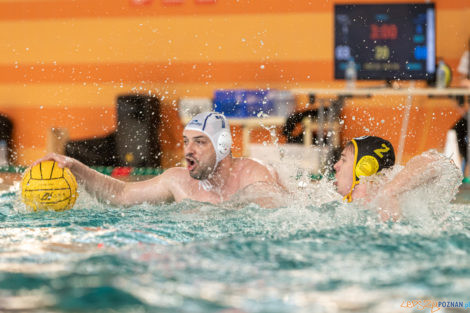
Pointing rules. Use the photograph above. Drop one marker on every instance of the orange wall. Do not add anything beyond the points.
(429, 120)
(62, 63)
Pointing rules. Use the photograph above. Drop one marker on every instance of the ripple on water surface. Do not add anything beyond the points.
(193, 257)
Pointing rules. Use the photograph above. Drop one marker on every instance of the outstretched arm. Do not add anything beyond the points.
(419, 170)
(112, 190)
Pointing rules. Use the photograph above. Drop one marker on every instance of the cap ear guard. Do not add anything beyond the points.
(224, 143)
(368, 165)
(371, 154)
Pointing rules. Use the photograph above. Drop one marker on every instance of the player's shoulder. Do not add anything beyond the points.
(251, 164)
(175, 174)
(252, 170)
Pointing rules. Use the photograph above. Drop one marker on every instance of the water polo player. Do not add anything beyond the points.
(211, 175)
(427, 173)
(362, 156)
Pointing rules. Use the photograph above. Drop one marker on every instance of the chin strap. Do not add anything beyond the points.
(206, 185)
(348, 197)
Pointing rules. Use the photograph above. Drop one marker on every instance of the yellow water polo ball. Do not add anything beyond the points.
(46, 186)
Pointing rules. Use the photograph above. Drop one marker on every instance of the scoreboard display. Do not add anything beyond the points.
(386, 41)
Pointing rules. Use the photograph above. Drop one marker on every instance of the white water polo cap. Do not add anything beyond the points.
(215, 126)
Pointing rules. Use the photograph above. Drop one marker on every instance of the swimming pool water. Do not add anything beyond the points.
(193, 257)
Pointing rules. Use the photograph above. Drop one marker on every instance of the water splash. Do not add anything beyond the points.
(315, 253)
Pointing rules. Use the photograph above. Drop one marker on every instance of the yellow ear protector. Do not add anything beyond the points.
(366, 166)
(375, 154)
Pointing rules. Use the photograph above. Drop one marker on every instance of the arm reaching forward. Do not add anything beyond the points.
(428, 167)
(113, 190)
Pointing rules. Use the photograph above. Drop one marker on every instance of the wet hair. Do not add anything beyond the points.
(349, 146)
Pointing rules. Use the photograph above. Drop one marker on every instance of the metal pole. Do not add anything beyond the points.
(404, 126)
(321, 121)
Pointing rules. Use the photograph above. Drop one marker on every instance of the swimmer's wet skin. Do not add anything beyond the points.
(362, 156)
(369, 155)
(211, 175)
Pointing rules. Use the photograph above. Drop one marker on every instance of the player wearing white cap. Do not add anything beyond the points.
(211, 175)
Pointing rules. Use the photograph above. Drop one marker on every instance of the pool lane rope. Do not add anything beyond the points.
(122, 171)
(125, 171)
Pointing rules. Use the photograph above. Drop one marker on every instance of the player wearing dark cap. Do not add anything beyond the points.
(362, 156)
(370, 155)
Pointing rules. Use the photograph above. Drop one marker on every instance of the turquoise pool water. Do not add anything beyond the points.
(193, 257)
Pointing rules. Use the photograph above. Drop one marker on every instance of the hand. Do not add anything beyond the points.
(62, 160)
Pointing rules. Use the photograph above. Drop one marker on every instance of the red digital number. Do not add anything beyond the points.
(385, 31)
(374, 32)
(389, 31)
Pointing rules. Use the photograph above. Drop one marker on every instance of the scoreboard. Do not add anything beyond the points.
(386, 41)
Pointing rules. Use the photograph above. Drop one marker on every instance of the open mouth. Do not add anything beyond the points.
(191, 163)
